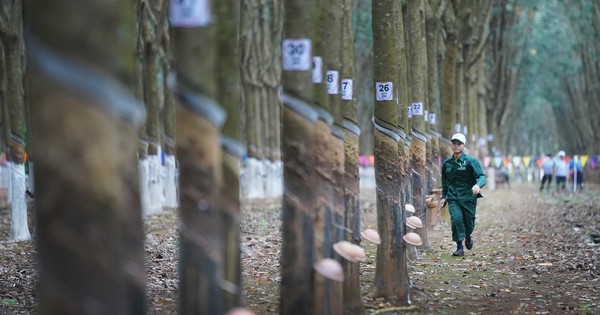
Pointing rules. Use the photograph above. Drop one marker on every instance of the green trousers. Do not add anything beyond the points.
(462, 217)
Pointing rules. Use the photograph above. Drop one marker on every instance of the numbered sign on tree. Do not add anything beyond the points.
(296, 54)
(384, 91)
(347, 89)
(332, 82)
(189, 13)
(417, 109)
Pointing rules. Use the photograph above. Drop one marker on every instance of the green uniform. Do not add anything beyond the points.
(458, 177)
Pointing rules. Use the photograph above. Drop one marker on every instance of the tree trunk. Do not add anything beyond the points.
(433, 31)
(297, 253)
(260, 50)
(90, 232)
(391, 274)
(229, 98)
(152, 16)
(418, 149)
(199, 120)
(353, 303)
(448, 81)
(328, 151)
(12, 39)
(170, 125)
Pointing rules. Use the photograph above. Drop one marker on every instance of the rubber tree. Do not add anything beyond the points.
(328, 149)
(353, 303)
(391, 275)
(228, 95)
(321, 78)
(90, 232)
(418, 150)
(169, 123)
(4, 106)
(401, 64)
(298, 134)
(474, 38)
(11, 36)
(199, 121)
(260, 74)
(151, 19)
(504, 56)
(448, 80)
(433, 29)
(363, 50)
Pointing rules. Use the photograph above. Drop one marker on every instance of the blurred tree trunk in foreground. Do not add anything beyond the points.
(199, 119)
(297, 254)
(90, 233)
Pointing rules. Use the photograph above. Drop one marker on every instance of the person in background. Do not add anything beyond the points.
(462, 180)
(561, 171)
(576, 169)
(549, 168)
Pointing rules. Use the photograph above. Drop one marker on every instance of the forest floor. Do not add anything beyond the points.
(534, 253)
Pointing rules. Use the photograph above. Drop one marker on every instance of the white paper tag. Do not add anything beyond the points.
(457, 128)
(465, 130)
(297, 55)
(384, 91)
(333, 77)
(426, 116)
(409, 111)
(347, 89)
(432, 118)
(417, 109)
(189, 13)
(317, 76)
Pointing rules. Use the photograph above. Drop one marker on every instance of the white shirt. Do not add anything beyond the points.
(548, 167)
(561, 168)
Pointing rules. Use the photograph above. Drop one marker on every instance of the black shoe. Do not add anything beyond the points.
(459, 252)
(469, 243)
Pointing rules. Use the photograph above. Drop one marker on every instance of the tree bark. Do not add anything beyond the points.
(298, 134)
(12, 38)
(448, 81)
(260, 74)
(391, 274)
(353, 303)
(418, 149)
(90, 232)
(199, 120)
(229, 97)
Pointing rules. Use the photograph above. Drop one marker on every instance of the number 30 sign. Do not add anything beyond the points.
(297, 55)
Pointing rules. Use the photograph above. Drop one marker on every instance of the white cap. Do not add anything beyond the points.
(460, 137)
(561, 153)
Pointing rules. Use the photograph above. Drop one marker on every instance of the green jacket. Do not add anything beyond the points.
(458, 177)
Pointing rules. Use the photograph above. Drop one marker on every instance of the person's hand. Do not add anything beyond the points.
(441, 203)
(475, 189)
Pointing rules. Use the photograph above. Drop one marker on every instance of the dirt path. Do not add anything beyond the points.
(534, 254)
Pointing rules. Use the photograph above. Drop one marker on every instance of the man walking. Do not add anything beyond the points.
(548, 168)
(462, 180)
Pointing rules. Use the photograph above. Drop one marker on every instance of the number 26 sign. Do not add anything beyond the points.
(384, 91)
